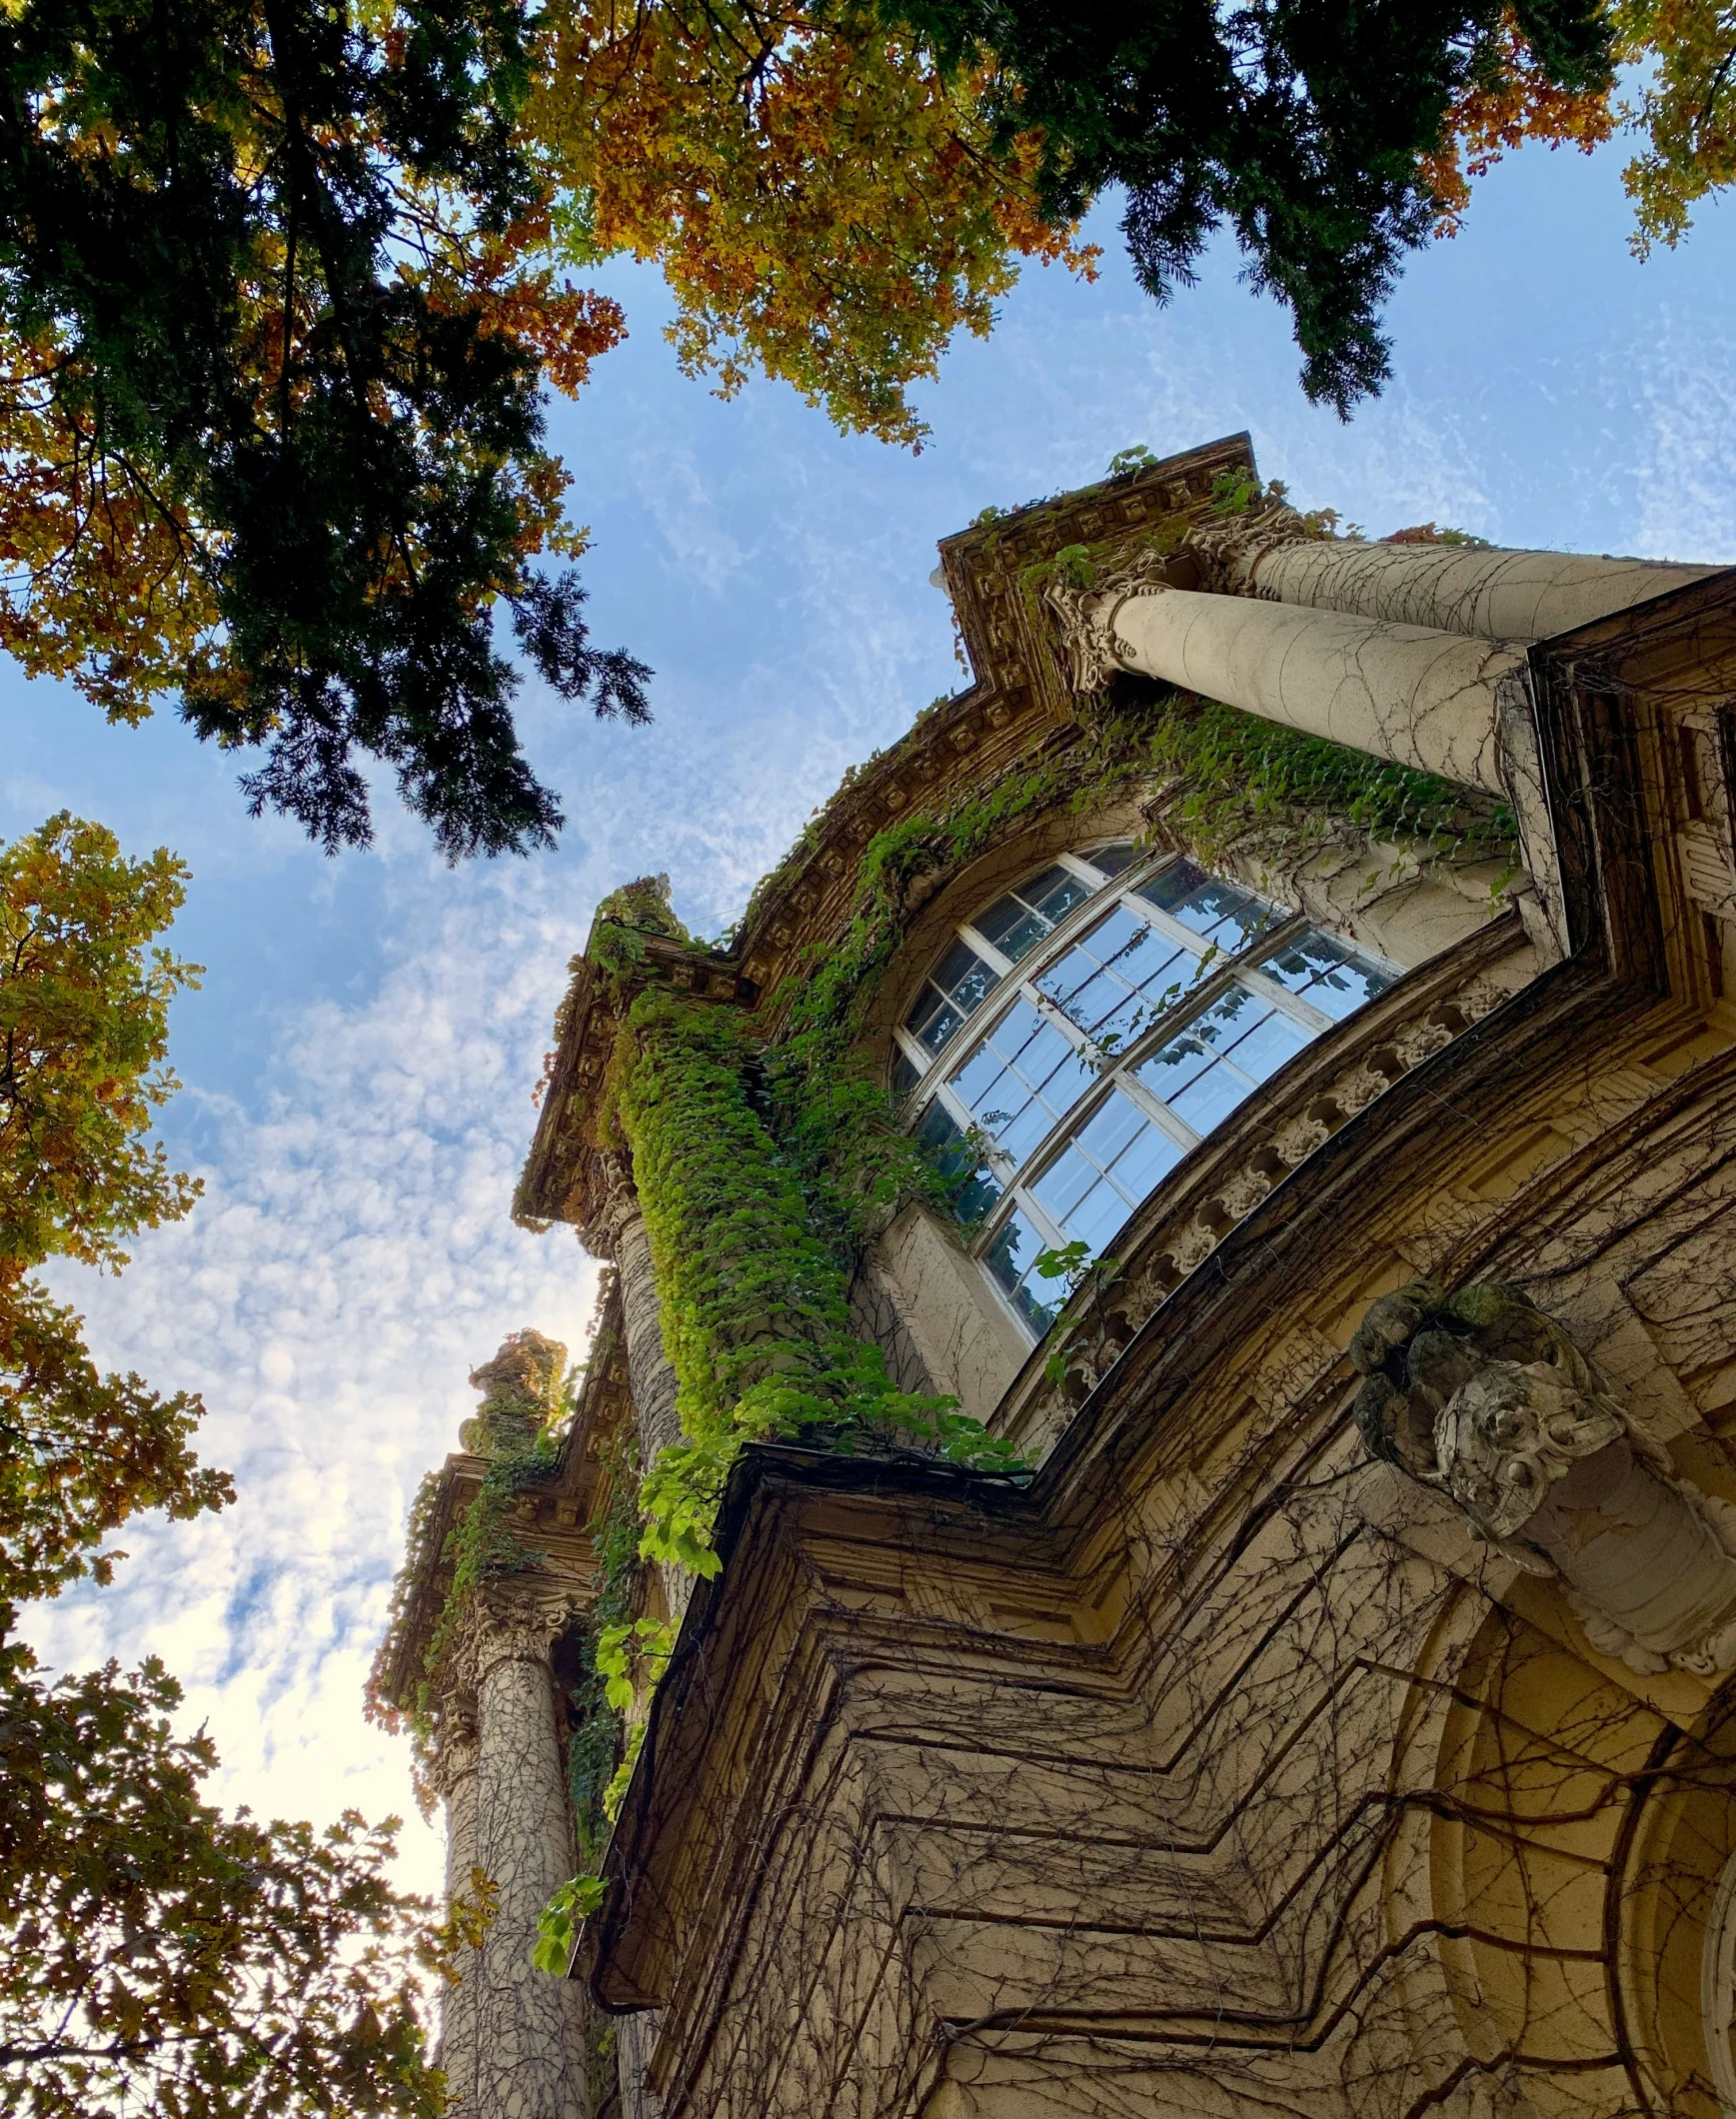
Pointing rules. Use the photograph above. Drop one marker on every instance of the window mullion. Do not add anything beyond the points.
(985, 949)
(1055, 1237)
(1076, 865)
(916, 1052)
(1155, 1109)
(967, 1122)
(1291, 1005)
(1053, 1012)
(1172, 930)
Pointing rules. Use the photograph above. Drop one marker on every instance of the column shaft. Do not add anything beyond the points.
(1455, 587)
(458, 2004)
(1421, 697)
(527, 2025)
(647, 1365)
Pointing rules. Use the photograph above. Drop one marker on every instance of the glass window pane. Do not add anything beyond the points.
(1010, 1257)
(1017, 929)
(977, 1076)
(1108, 1132)
(1219, 912)
(1054, 893)
(936, 1026)
(1016, 922)
(1268, 1045)
(955, 988)
(972, 1188)
(1065, 1184)
(1335, 978)
(1098, 1216)
(906, 1074)
(964, 974)
(1113, 858)
(1222, 1057)
(1142, 1166)
(1117, 1158)
(1116, 978)
(1022, 1079)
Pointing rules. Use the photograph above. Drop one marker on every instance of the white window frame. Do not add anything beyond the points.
(1116, 1070)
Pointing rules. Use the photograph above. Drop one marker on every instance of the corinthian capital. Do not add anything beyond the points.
(1230, 547)
(612, 1203)
(514, 1620)
(1083, 605)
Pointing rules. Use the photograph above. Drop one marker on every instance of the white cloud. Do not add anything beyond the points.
(350, 1261)
(1685, 460)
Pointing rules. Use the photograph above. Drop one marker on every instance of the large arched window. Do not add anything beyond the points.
(1077, 1039)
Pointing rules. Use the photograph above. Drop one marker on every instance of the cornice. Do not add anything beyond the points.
(1021, 699)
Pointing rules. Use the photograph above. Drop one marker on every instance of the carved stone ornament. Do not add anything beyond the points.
(1481, 1396)
(613, 1202)
(1229, 547)
(1085, 617)
(508, 1622)
(455, 1748)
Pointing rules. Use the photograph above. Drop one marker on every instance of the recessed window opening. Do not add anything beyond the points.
(1074, 1040)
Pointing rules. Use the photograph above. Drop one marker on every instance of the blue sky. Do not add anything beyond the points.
(359, 1062)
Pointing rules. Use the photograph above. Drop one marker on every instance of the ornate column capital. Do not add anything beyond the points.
(612, 1203)
(1084, 615)
(517, 1619)
(1229, 548)
(1219, 555)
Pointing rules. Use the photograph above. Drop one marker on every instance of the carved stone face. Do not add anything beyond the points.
(1480, 1396)
(1509, 1433)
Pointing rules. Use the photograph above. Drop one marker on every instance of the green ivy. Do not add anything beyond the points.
(523, 1448)
(1233, 771)
(762, 1168)
(756, 1314)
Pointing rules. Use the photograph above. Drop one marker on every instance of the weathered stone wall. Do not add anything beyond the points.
(1275, 1792)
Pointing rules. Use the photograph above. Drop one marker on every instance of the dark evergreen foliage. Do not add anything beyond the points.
(1300, 123)
(219, 216)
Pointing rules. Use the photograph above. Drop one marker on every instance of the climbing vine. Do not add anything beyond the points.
(767, 1153)
(756, 1312)
(1225, 773)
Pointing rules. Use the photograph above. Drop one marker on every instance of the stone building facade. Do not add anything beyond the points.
(1321, 1697)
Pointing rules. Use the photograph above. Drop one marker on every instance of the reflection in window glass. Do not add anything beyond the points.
(1016, 922)
(952, 991)
(1219, 912)
(1175, 987)
(1118, 977)
(1222, 1057)
(1113, 858)
(1021, 1079)
(1327, 973)
(1103, 1173)
(972, 1189)
(1010, 1258)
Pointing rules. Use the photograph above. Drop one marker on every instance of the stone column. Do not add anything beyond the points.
(527, 2026)
(1522, 596)
(1421, 697)
(455, 1776)
(617, 1231)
